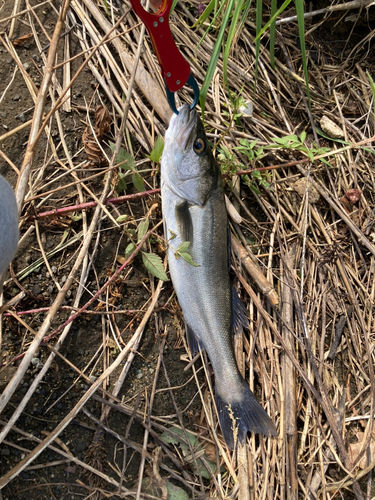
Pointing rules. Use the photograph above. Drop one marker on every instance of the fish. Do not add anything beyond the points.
(194, 211)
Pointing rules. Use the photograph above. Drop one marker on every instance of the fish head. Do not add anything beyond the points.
(188, 167)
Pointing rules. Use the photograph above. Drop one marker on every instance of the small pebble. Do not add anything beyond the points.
(139, 376)
(34, 361)
(22, 118)
(330, 128)
(92, 378)
(300, 187)
(54, 269)
(247, 109)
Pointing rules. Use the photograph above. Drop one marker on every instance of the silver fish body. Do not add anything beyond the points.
(194, 210)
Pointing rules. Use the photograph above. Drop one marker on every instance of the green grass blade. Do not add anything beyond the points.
(301, 28)
(372, 85)
(215, 54)
(272, 33)
(273, 19)
(217, 13)
(205, 14)
(259, 11)
(245, 12)
(175, 2)
(231, 35)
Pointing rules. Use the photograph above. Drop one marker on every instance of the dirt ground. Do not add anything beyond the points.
(52, 475)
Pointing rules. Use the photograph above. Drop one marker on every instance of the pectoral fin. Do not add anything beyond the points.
(185, 224)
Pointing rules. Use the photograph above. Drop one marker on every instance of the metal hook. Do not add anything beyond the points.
(170, 95)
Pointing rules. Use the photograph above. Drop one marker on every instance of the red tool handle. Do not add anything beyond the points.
(174, 67)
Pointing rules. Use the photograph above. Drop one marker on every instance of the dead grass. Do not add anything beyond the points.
(310, 351)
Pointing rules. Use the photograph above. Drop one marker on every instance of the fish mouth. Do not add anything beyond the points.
(182, 126)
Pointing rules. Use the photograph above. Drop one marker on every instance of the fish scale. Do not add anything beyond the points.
(194, 210)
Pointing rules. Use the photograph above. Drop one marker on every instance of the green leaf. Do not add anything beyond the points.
(183, 247)
(194, 443)
(281, 140)
(129, 250)
(292, 138)
(142, 229)
(188, 258)
(122, 218)
(157, 150)
(169, 438)
(325, 162)
(173, 235)
(302, 137)
(76, 216)
(182, 252)
(176, 493)
(138, 182)
(121, 185)
(154, 264)
(124, 159)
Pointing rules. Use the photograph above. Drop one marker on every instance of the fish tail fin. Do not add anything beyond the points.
(242, 415)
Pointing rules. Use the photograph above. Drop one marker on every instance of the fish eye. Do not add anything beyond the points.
(199, 146)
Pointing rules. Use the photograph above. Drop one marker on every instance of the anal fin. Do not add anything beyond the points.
(239, 319)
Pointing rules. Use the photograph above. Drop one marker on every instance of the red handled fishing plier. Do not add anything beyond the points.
(174, 68)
